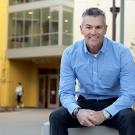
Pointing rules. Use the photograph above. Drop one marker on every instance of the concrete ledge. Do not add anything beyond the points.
(98, 130)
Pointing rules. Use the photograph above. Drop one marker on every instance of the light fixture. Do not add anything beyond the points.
(49, 16)
(66, 21)
(66, 31)
(30, 12)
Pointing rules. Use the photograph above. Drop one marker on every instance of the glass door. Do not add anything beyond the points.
(53, 100)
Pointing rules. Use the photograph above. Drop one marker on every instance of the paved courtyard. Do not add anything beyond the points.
(23, 121)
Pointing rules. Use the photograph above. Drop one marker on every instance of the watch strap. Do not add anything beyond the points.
(76, 110)
(106, 114)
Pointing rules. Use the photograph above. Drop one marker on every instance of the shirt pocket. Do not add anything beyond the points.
(110, 77)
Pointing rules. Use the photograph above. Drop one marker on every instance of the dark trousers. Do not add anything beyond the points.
(19, 101)
(61, 120)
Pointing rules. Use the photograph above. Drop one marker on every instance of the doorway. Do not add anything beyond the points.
(48, 90)
(53, 91)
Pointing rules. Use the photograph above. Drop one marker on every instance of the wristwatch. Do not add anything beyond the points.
(106, 114)
(76, 110)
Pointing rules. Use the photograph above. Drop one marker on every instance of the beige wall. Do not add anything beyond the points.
(81, 5)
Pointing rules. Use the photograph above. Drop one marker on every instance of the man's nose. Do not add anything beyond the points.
(93, 31)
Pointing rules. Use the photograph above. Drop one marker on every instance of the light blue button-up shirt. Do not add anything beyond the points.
(109, 74)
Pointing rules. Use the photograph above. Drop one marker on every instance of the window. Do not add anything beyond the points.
(14, 2)
(40, 27)
(49, 26)
(67, 26)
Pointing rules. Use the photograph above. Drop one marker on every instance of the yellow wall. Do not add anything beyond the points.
(3, 43)
(25, 72)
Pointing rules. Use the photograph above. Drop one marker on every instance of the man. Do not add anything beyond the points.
(19, 94)
(105, 71)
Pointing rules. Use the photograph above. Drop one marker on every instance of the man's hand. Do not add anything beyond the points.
(90, 118)
(98, 117)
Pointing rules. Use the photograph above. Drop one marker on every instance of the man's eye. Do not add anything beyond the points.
(88, 27)
(98, 27)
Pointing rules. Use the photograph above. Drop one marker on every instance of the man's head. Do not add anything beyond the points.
(94, 12)
(93, 27)
(19, 83)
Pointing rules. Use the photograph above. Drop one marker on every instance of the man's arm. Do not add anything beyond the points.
(67, 82)
(127, 84)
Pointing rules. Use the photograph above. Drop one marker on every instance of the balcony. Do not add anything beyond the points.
(34, 52)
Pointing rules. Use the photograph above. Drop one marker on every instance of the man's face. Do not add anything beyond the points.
(93, 29)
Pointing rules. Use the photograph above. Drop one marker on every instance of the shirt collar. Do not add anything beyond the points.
(102, 49)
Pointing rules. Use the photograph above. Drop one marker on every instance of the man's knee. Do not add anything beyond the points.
(127, 116)
(58, 115)
(54, 115)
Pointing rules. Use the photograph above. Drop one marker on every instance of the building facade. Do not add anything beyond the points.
(34, 35)
(38, 32)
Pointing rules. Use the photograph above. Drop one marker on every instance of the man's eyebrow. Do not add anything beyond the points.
(88, 25)
(93, 25)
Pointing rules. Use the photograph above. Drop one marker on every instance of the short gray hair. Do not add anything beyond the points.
(94, 12)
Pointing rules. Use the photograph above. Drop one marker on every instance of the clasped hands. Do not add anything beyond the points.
(90, 118)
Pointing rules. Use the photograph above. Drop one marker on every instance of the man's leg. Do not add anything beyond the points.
(60, 121)
(19, 99)
(124, 121)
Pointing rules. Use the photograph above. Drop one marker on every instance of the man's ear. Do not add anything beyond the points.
(81, 29)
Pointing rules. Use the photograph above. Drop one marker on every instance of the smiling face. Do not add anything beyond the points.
(93, 29)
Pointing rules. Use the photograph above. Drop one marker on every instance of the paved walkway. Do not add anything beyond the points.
(23, 121)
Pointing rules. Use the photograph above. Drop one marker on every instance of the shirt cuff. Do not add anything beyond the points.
(71, 108)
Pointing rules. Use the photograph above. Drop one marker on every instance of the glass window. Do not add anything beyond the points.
(35, 40)
(30, 0)
(18, 42)
(11, 25)
(45, 40)
(67, 25)
(40, 27)
(27, 41)
(20, 1)
(36, 22)
(28, 22)
(11, 43)
(54, 20)
(68, 20)
(45, 20)
(67, 39)
(54, 39)
(49, 26)
(13, 2)
(53, 26)
(19, 29)
(19, 23)
(16, 26)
